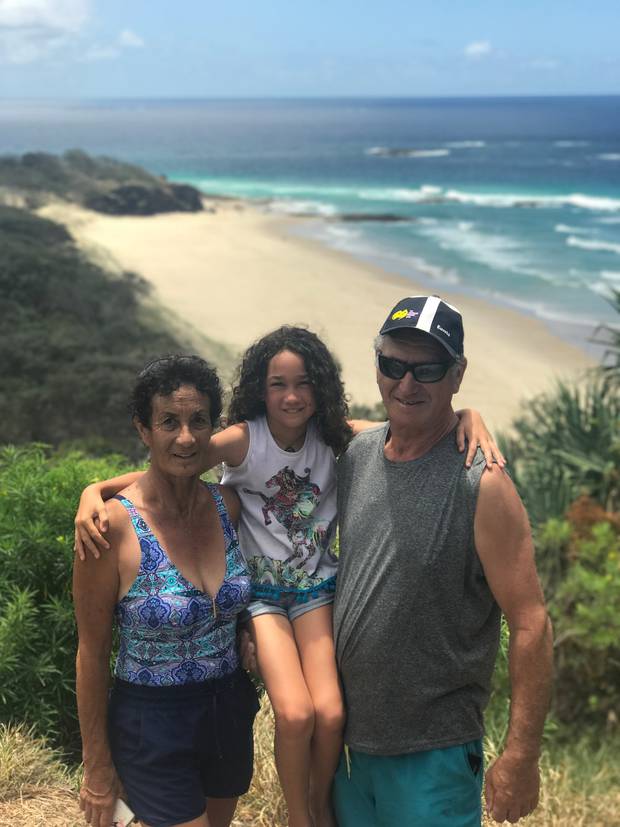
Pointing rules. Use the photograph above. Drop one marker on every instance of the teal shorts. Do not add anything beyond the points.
(435, 788)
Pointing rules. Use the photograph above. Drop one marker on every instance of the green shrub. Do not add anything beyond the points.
(586, 617)
(38, 496)
(552, 540)
(566, 445)
(608, 335)
(73, 338)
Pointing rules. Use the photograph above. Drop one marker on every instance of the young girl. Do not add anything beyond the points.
(288, 425)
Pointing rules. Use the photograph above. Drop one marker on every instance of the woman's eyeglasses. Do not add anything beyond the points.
(421, 371)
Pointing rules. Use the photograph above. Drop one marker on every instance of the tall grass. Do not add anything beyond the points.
(580, 783)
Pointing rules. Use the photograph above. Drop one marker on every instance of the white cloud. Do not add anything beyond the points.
(477, 49)
(126, 40)
(31, 29)
(130, 40)
(63, 15)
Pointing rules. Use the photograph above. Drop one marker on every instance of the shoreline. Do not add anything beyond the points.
(234, 272)
(568, 330)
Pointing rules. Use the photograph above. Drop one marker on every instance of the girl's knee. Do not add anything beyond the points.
(330, 715)
(295, 721)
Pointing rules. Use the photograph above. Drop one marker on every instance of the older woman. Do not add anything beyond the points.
(176, 733)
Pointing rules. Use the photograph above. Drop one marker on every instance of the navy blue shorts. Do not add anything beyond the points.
(175, 746)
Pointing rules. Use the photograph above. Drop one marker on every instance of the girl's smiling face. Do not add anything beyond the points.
(289, 395)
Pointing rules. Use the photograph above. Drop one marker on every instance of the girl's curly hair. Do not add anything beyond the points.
(248, 394)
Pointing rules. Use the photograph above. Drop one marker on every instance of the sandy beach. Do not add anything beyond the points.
(237, 272)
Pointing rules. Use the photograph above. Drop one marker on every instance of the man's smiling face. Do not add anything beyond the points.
(410, 403)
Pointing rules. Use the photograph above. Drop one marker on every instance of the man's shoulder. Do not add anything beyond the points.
(362, 441)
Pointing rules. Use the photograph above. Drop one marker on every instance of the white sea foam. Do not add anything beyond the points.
(564, 228)
(465, 144)
(602, 288)
(612, 276)
(289, 207)
(340, 233)
(423, 195)
(609, 219)
(591, 244)
(435, 195)
(499, 252)
(427, 193)
(570, 144)
(609, 156)
(584, 202)
(358, 244)
(543, 311)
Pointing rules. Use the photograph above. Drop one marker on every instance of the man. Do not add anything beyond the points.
(431, 554)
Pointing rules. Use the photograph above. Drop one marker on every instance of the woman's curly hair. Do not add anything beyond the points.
(166, 374)
(248, 394)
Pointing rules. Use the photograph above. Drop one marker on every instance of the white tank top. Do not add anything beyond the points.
(288, 513)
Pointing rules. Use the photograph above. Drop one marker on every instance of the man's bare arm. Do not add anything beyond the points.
(504, 544)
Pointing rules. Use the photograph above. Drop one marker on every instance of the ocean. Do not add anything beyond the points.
(513, 200)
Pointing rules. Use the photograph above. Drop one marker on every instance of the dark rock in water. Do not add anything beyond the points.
(374, 216)
(134, 199)
(406, 152)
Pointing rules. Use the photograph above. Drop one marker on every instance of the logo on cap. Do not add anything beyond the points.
(404, 314)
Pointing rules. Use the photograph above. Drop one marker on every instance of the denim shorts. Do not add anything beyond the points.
(175, 746)
(289, 605)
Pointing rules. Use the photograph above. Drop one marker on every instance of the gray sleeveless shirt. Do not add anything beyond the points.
(416, 625)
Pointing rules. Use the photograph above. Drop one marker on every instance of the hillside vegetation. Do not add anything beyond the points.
(100, 184)
(72, 338)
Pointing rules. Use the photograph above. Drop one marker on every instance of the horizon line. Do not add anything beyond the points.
(340, 97)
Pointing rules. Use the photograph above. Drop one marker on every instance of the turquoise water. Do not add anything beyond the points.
(514, 200)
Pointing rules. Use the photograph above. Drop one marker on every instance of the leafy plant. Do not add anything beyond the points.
(608, 335)
(586, 616)
(73, 339)
(38, 496)
(567, 444)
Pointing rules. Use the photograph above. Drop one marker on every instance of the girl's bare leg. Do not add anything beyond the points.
(280, 667)
(315, 642)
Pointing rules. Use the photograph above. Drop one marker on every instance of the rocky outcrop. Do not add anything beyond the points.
(101, 184)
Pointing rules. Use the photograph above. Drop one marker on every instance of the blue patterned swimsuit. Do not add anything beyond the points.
(169, 632)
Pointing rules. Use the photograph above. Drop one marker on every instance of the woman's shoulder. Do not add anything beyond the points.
(121, 512)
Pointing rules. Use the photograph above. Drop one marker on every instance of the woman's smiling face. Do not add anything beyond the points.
(180, 431)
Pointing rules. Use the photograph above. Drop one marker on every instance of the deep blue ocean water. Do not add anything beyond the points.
(516, 200)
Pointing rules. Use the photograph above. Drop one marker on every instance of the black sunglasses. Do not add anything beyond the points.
(421, 371)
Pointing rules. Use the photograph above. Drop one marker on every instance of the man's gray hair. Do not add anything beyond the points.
(381, 338)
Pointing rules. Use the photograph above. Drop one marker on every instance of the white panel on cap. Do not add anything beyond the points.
(428, 313)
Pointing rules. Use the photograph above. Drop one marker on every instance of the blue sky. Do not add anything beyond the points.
(247, 48)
